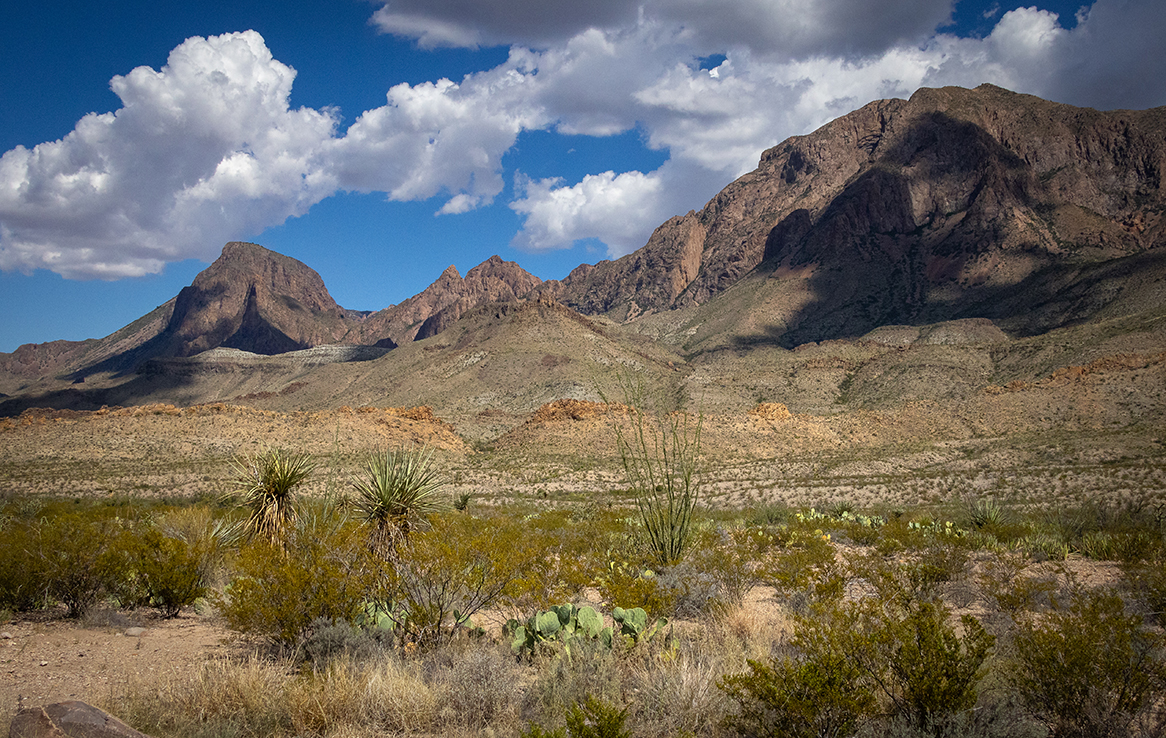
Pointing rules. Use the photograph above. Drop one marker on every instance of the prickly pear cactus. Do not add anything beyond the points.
(574, 626)
(588, 622)
(634, 624)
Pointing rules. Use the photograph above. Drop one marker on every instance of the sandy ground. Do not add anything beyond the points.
(42, 662)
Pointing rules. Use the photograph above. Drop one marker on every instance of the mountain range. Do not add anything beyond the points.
(939, 249)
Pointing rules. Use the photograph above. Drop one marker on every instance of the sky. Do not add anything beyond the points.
(381, 141)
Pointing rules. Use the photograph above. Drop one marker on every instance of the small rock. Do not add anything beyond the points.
(44, 663)
(6, 636)
(135, 632)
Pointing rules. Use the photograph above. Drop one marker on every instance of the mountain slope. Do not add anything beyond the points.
(910, 211)
(501, 357)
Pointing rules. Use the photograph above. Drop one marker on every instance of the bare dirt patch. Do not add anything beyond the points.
(42, 662)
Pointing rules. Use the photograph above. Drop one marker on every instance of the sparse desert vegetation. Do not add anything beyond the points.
(993, 613)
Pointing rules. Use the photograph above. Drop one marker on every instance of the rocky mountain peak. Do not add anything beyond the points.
(906, 210)
(256, 300)
(446, 299)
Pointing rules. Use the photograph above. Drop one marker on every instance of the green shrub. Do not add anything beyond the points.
(23, 581)
(991, 525)
(1147, 581)
(166, 572)
(818, 695)
(1089, 669)
(563, 553)
(1128, 533)
(595, 718)
(79, 559)
(820, 689)
(804, 570)
(324, 570)
(768, 514)
(895, 644)
(932, 673)
(935, 565)
(446, 575)
(591, 718)
(625, 584)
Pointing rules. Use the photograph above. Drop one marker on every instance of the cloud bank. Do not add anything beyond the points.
(207, 149)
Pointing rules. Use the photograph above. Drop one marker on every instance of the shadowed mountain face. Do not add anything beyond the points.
(905, 212)
(250, 299)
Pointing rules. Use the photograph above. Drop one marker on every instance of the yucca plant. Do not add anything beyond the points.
(265, 487)
(397, 493)
(987, 513)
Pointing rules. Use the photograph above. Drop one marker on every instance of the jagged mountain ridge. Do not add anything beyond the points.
(444, 301)
(955, 204)
(939, 202)
(263, 302)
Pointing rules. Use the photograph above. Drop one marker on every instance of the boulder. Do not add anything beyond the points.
(70, 719)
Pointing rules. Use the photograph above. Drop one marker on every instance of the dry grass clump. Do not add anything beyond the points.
(258, 696)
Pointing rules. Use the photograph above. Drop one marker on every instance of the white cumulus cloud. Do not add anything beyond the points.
(208, 149)
(202, 150)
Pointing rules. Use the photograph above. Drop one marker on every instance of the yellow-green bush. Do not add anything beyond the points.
(819, 687)
(323, 570)
(23, 579)
(444, 576)
(79, 558)
(166, 572)
(804, 569)
(1089, 668)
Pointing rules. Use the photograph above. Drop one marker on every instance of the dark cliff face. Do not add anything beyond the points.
(905, 210)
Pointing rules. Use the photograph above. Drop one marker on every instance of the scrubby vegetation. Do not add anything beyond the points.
(967, 619)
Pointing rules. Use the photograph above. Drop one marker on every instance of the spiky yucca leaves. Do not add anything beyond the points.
(397, 493)
(266, 485)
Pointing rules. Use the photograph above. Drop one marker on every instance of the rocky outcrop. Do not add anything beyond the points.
(254, 300)
(644, 282)
(71, 719)
(906, 205)
(444, 301)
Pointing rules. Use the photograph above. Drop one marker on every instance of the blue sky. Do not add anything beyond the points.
(379, 142)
